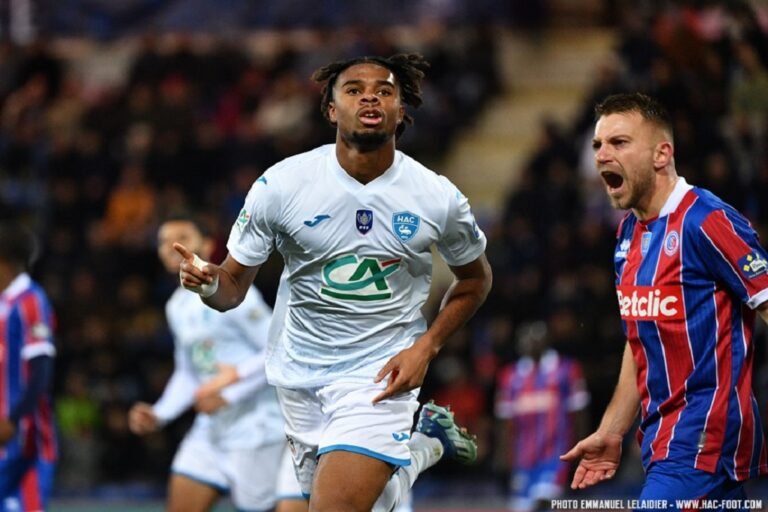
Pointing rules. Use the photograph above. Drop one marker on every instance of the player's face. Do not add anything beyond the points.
(366, 105)
(183, 232)
(624, 150)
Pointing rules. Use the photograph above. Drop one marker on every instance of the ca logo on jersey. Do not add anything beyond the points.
(352, 278)
(405, 225)
(204, 356)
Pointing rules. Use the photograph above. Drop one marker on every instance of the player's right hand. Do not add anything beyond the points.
(599, 455)
(142, 419)
(195, 274)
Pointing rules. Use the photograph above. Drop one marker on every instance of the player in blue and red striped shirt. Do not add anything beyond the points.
(540, 404)
(28, 448)
(691, 276)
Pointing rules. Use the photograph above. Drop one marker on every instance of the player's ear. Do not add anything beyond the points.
(400, 114)
(332, 112)
(662, 154)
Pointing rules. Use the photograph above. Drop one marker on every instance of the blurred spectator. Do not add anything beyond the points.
(128, 221)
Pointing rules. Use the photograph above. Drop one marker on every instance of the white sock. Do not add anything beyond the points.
(425, 452)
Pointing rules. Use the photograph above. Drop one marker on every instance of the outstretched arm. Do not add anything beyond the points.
(407, 369)
(600, 453)
(221, 287)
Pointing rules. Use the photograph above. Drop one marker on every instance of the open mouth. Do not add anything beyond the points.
(370, 117)
(612, 179)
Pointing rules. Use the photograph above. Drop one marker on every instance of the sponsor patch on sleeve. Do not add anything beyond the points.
(753, 265)
(40, 331)
(242, 220)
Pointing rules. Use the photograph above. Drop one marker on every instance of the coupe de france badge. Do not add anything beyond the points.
(242, 220)
(364, 221)
(405, 225)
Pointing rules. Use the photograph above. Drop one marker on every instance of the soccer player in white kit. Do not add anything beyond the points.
(237, 440)
(355, 222)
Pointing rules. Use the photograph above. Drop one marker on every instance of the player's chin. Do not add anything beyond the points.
(371, 137)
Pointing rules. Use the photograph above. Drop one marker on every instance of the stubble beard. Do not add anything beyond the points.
(638, 191)
(368, 141)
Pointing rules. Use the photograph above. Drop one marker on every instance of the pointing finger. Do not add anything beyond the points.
(185, 253)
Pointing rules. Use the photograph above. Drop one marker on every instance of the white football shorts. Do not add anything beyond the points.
(249, 474)
(340, 416)
(287, 484)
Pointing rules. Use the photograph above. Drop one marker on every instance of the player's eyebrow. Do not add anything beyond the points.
(359, 81)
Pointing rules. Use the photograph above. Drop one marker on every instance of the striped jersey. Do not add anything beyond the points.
(688, 282)
(538, 399)
(26, 331)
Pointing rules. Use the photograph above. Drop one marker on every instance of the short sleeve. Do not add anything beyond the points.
(252, 235)
(462, 241)
(36, 326)
(733, 253)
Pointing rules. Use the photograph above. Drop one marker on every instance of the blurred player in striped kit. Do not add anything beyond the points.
(540, 404)
(237, 441)
(28, 449)
(691, 276)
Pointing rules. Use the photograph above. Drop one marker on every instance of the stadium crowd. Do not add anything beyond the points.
(193, 125)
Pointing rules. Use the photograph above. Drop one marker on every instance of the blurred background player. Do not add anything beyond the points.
(237, 440)
(541, 402)
(28, 449)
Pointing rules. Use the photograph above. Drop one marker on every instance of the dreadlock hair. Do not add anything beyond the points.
(650, 109)
(408, 69)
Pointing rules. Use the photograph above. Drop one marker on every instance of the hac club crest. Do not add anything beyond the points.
(405, 225)
(364, 221)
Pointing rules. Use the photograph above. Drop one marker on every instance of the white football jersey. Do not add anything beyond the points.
(204, 337)
(358, 261)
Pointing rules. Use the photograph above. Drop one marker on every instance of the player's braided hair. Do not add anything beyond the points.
(408, 69)
(651, 109)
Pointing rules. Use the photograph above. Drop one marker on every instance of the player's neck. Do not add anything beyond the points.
(665, 185)
(363, 164)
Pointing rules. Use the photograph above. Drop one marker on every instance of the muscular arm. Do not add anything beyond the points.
(599, 454)
(462, 299)
(408, 368)
(625, 403)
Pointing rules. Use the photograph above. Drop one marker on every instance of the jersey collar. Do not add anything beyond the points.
(352, 184)
(675, 198)
(19, 284)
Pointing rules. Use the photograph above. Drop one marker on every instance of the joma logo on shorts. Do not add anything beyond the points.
(650, 302)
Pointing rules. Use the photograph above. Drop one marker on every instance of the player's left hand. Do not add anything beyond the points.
(210, 404)
(226, 375)
(599, 455)
(406, 371)
(7, 431)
